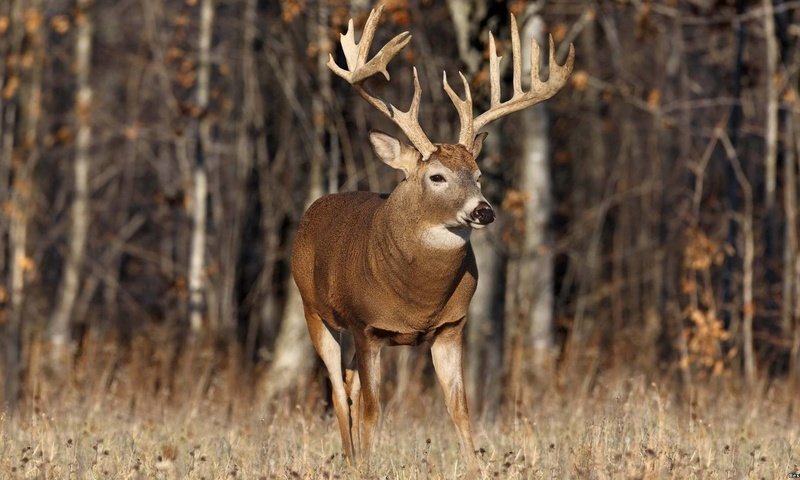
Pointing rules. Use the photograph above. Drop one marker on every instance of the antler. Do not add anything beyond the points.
(539, 90)
(359, 69)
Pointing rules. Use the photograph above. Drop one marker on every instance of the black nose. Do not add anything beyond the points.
(483, 214)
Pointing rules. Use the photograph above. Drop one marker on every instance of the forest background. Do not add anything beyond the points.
(156, 157)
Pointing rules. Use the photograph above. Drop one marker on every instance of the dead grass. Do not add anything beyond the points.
(624, 428)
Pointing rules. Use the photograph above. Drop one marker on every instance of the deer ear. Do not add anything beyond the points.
(393, 152)
(477, 144)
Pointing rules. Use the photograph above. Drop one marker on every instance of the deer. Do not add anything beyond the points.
(398, 268)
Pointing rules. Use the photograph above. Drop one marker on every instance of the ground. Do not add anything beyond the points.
(621, 428)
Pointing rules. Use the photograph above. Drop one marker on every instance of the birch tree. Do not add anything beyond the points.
(60, 335)
(531, 269)
(771, 124)
(197, 250)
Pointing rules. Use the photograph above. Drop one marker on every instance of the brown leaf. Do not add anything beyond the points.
(60, 24)
(132, 132)
(26, 263)
(790, 96)
(33, 20)
(580, 80)
(654, 99)
(560, 31)
(11, 87)
(291, 9)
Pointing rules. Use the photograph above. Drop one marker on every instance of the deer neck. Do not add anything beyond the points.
(417, 260)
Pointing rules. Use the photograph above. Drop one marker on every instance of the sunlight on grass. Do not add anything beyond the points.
(622, 429)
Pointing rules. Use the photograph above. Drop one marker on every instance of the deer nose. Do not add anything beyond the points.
(483, 214)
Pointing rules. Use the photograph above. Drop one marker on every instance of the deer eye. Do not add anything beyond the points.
(437, 178)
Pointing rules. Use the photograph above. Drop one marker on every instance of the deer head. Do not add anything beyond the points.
(444, 178)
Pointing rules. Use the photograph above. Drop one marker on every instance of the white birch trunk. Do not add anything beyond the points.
(771, 127)
(461, 11)
(60, 334)
(197, 250)
(536, 265)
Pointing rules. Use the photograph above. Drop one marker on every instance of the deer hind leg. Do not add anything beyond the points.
(330, 350)
(353, 384)
(368, 355)
(447, 353)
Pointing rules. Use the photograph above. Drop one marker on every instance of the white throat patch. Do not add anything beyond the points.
(443, 238)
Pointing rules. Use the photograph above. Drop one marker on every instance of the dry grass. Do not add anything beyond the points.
(623, 428)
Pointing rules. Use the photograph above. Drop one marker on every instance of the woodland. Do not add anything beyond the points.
(157, 156)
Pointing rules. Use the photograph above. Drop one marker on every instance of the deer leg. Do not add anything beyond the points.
(447, 353)
(330, 350)
(354, 393)
(368, 355)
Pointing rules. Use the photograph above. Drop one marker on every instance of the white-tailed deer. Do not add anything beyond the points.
(398, 269)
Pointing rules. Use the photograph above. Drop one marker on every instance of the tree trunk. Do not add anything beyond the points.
(589, 197)
(294, 355)
(793, 132)
(60, 325)
(26, 146)
(789, 297)
(197, 307)
(535, 280)
(462, 12)
(748, 253)
(771, 127)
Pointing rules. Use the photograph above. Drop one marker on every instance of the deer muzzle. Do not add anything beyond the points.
(483, 214)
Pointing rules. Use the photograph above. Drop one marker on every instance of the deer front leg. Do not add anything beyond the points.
(447, 352)
(330, 350)
(368, 355)
(353, 385)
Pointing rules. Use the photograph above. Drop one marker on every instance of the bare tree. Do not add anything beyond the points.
(771, 128)
(531, 268)
(60, 325)
(27, 17)
(293, 354)
(197, 255)
(789, 310)
(748, 244)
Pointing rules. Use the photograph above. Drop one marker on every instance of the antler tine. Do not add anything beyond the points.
(408, 121)
(516, 57)
(359, 69)
(539, 90)
(560, 73)
(368, 34)
(494, 72)
(464, 108)
(535, 61)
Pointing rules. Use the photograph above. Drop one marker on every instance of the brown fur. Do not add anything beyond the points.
(362, 267)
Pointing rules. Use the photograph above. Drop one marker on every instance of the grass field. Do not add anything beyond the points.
(625, 427)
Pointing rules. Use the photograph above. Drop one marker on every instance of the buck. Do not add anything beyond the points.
(398, 269)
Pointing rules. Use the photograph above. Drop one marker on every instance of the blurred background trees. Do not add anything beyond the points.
(155, 158)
